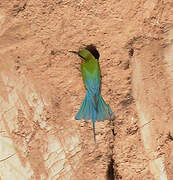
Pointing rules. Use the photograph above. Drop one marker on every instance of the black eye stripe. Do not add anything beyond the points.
(80, 56)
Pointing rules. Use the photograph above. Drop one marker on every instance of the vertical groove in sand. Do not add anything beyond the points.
(156, 163)
(169, 60)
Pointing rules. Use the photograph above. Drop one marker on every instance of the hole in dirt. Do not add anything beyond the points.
(93, 50)
(170, 137)
(128, 100)
(110, 171)
(131, 52)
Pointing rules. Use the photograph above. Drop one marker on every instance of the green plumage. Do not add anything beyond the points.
(90, 65)
(93, 106)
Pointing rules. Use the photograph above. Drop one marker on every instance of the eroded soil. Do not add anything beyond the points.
(41, 90)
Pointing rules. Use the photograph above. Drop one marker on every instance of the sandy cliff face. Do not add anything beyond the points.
(41, 90)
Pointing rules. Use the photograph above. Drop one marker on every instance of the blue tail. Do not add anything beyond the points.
(94, 108)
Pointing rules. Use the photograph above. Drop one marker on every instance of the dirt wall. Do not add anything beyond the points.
(41, 90)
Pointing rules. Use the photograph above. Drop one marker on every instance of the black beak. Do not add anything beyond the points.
(74, 52)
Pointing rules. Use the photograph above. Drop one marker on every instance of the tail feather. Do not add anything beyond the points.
(103, 110)
(94, 108)
(94, 132)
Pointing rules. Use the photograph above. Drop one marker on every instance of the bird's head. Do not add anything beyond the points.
(84, 54)
(88, 53)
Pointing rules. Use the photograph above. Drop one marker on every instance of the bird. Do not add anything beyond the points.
(93, 106)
